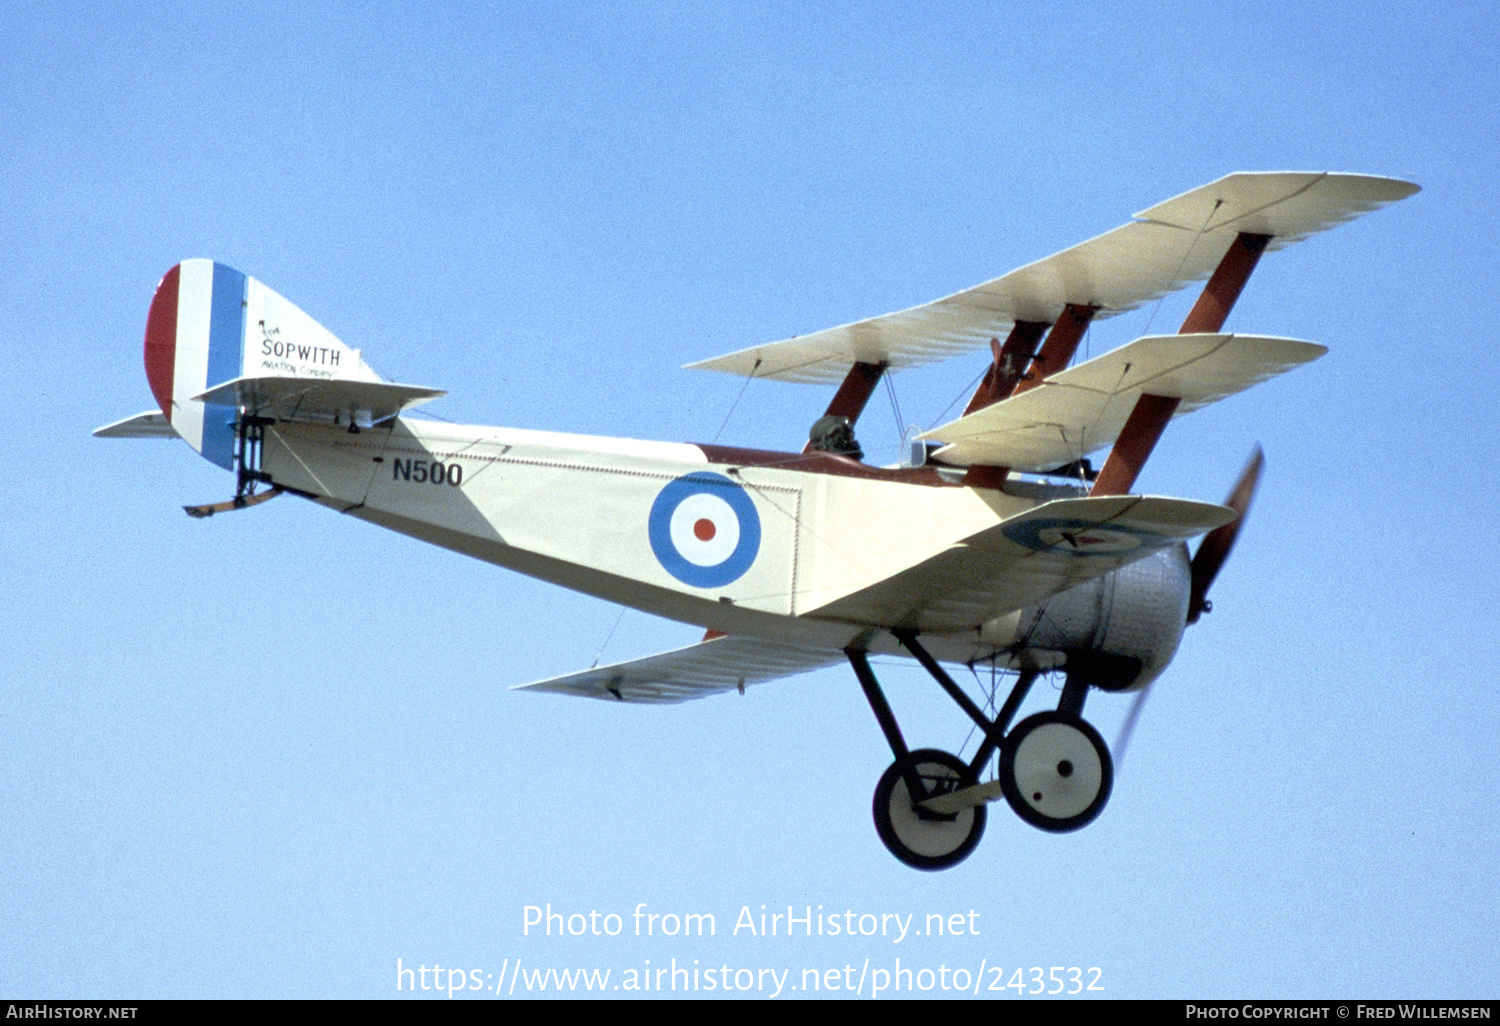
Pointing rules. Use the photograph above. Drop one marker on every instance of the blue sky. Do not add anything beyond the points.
(270, 754)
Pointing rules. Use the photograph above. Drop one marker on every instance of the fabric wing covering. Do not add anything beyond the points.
(1166, 248)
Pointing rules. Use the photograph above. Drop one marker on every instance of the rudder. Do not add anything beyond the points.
(210, 325)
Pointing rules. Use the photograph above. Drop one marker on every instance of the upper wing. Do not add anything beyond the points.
(1080, 410)
(706, 668)
(1167, 247)
(1025, 560)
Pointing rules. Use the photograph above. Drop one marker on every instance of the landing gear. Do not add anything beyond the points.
(1055, 771)
(922, 838)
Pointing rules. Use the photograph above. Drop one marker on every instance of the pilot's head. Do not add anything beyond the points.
(834, 434)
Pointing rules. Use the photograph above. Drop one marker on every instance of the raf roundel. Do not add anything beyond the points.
(1081, 537)
(704, 530)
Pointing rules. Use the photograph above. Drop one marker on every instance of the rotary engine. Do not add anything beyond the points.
(1119, 631)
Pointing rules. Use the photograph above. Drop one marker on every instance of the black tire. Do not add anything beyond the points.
(1056, 771)
(923, 840)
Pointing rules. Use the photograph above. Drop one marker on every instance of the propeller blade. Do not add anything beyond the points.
(1128, 727)
(1214, 550)
(1207, 562)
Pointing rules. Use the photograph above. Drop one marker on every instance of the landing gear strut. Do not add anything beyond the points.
(929, 807)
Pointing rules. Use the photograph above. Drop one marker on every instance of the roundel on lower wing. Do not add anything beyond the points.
(1079, 537)
(704, 530)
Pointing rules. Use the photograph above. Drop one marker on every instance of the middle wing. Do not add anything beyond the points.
(1082, 409)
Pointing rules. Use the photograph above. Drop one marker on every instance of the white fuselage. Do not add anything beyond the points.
(657, 526)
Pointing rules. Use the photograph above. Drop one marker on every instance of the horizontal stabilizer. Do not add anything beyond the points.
(151, 424)
(1026, 559)
(707, 668)
(327, 400)
(1083, 409)
(1166, 248)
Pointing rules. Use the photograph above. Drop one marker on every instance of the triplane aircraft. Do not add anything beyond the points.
(994, 544)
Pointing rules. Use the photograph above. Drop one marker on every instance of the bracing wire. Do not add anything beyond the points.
(989, 698)
(607, 637)
(1177, 274)
(890, 391)
(966, 390)
(733, 405)
(1089, 330)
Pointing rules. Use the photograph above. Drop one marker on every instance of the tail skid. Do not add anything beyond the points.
(238, 502)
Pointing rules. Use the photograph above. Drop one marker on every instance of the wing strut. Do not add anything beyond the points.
(1152, 412)
(1213, 306)
(1012, 363)
(1056, 353)
(1141, 433)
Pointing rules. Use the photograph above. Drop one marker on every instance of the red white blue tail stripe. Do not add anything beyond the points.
(195, 339)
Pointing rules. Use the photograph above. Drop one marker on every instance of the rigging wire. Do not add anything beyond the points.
(1088, 334)
(1177, 274)
(1088, 432)
(989, 700)
(737, 399)
(890, 390)
(611, 634)
(966, 390)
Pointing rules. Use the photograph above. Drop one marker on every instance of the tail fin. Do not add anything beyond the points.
(218, 341)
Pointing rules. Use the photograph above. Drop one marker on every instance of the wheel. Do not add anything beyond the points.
(922, 839)
(1055, 771)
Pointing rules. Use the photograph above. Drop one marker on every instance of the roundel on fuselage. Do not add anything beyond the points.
(704, 530)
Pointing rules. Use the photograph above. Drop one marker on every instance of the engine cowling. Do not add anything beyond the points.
(1119, 631)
